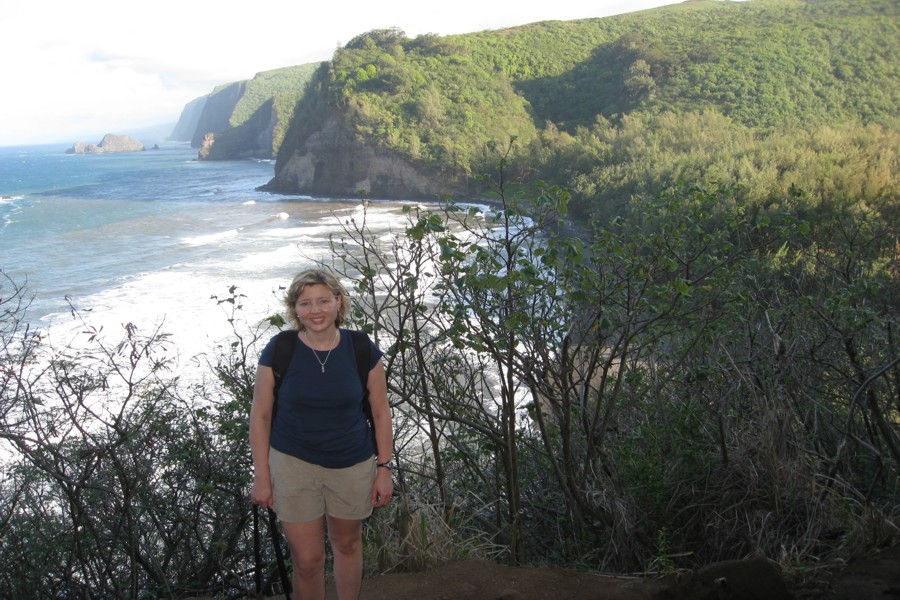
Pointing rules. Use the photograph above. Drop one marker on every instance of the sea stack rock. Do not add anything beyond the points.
(110, 143)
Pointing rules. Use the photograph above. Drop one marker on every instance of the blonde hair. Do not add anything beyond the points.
(315, 277)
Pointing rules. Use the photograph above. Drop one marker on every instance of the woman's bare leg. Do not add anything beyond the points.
(307, 542)
(346, 543)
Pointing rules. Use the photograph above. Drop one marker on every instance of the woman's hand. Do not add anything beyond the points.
(261, 493)
(382, 489)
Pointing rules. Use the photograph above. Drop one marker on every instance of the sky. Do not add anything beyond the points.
(72, 70)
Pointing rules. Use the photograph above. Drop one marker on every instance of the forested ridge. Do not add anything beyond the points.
(722, 91)
(670, 340)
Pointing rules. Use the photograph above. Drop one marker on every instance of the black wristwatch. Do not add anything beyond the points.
(387, 465)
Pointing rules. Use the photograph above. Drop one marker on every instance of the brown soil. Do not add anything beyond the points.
(875, 577)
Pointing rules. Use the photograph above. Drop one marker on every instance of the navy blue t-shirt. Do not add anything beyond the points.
(320, 417)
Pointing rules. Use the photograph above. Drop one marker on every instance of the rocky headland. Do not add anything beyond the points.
(331, 162)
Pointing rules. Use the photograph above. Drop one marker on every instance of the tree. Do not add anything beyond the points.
(119, 484)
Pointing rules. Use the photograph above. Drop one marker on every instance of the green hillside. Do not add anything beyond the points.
(427, 98)
(738, 91)
(762, 63)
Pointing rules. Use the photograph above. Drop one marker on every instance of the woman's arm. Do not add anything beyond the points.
(383, 488)
(260, 432)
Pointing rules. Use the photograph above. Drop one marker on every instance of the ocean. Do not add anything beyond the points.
(147, 238)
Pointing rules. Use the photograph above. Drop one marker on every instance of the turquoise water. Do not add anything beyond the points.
(148, 237)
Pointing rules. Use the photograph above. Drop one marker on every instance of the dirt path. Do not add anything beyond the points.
(875, 577)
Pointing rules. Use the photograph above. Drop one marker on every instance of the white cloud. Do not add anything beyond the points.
(71, 69)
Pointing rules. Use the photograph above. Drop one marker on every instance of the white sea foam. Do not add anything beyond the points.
(178, 301)
(307, 231)
(257, 258)
(210, 238)
(277, 259)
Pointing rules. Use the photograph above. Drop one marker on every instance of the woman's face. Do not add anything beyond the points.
(317, 307)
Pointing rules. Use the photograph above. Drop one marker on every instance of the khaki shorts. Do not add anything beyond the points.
(304, 492)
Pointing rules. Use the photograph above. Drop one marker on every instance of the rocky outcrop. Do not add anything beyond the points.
(329, 162)
(110, 143)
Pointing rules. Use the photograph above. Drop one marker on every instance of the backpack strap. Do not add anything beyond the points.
(285, 342)
(362, 348)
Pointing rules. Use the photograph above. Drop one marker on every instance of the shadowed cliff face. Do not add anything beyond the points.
(330, 163)
(217, 110)
(252, 139)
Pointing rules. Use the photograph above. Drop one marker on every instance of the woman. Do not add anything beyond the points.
(315, 465)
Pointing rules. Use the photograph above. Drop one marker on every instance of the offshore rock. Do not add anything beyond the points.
(110, 143)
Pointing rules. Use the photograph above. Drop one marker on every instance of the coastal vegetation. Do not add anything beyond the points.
(671, 339)
(764, 93)
(281, 87)
(767, 93)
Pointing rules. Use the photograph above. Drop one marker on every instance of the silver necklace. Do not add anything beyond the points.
(316, 354)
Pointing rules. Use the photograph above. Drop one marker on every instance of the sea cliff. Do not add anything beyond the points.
(329, 162)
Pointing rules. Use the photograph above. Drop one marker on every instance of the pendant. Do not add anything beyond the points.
(323, 368)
